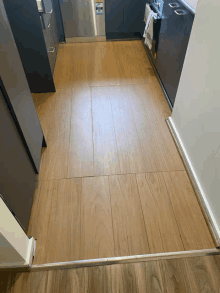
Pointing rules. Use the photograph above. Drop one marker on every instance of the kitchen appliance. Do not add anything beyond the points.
(84, 20)
(157, 7)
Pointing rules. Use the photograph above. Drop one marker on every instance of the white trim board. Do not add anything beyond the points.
(211, 222)
(22, 265)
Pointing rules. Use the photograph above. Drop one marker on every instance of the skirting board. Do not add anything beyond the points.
(123, 260)
(86, 39)
(26, 266)
(210, 220)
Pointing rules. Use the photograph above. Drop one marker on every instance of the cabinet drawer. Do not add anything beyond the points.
(50, 42)
(52, 55)
(48, 35)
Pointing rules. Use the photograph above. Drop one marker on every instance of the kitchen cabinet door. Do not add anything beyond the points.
(114, 19)
(52, 49)
(17, 176)
(18, 95)
(134, 17)
(48, 6)
(173, 41)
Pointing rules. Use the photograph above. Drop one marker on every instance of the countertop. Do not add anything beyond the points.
(190, 4)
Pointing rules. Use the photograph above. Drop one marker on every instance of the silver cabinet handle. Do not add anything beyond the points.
(174, 5)
(48, 25)
(49, 12)
(180, 12)
(51, 50)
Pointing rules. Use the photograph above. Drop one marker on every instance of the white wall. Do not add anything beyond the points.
(14, 243)
(196, 112)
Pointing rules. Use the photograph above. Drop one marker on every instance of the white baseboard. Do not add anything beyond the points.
(22, 265)
(211, 222)
(30, 252)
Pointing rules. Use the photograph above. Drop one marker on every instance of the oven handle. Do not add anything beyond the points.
(180, 12)
(174, 5)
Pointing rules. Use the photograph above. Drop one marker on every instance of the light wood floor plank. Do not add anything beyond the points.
(98, 279)
(26, 282)
(149, 277)
(80, 158)
(174, 276)
(158, 148)
(81, 64)
(39, 219)
(45, 106)
(72, 66)
(129, 63)
(64, 236)
(128, 223)
(170, 234)
(159, 111)
(158, 100)
(204, 274)
(56, 220)
(106, 159)
(143, 123)
(103, 65)
(130, 153)
(191, 223)
(63, 77)
(96, 227)
(145, 66)
(66, 281)
(54, 158)
(128, 274)
(149, 204)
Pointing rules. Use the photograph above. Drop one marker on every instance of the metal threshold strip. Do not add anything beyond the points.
(123, 259)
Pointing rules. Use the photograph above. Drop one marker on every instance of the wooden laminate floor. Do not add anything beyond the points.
(190, 275)
(111, 181)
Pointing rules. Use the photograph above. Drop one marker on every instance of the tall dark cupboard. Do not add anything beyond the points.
(37, 38)
(21, 134)
(124, 19)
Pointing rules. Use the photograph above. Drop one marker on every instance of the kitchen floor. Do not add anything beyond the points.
(111, 181)
(186, 275)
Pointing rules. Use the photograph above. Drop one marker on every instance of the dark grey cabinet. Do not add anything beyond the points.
(134, 18)
(17, 176)
(21, 135)
(29, 28)
(114, 19)
(124, 19)
(174, 36)
(59, 20)
(18, 96)
(51, 40)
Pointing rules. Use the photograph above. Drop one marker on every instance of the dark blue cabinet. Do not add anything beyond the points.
(114, 19)
(174, 36)
(29, 28)
(124, 19)
(21, 135)
(134, 18)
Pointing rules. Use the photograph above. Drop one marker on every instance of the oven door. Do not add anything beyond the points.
(156, 31)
